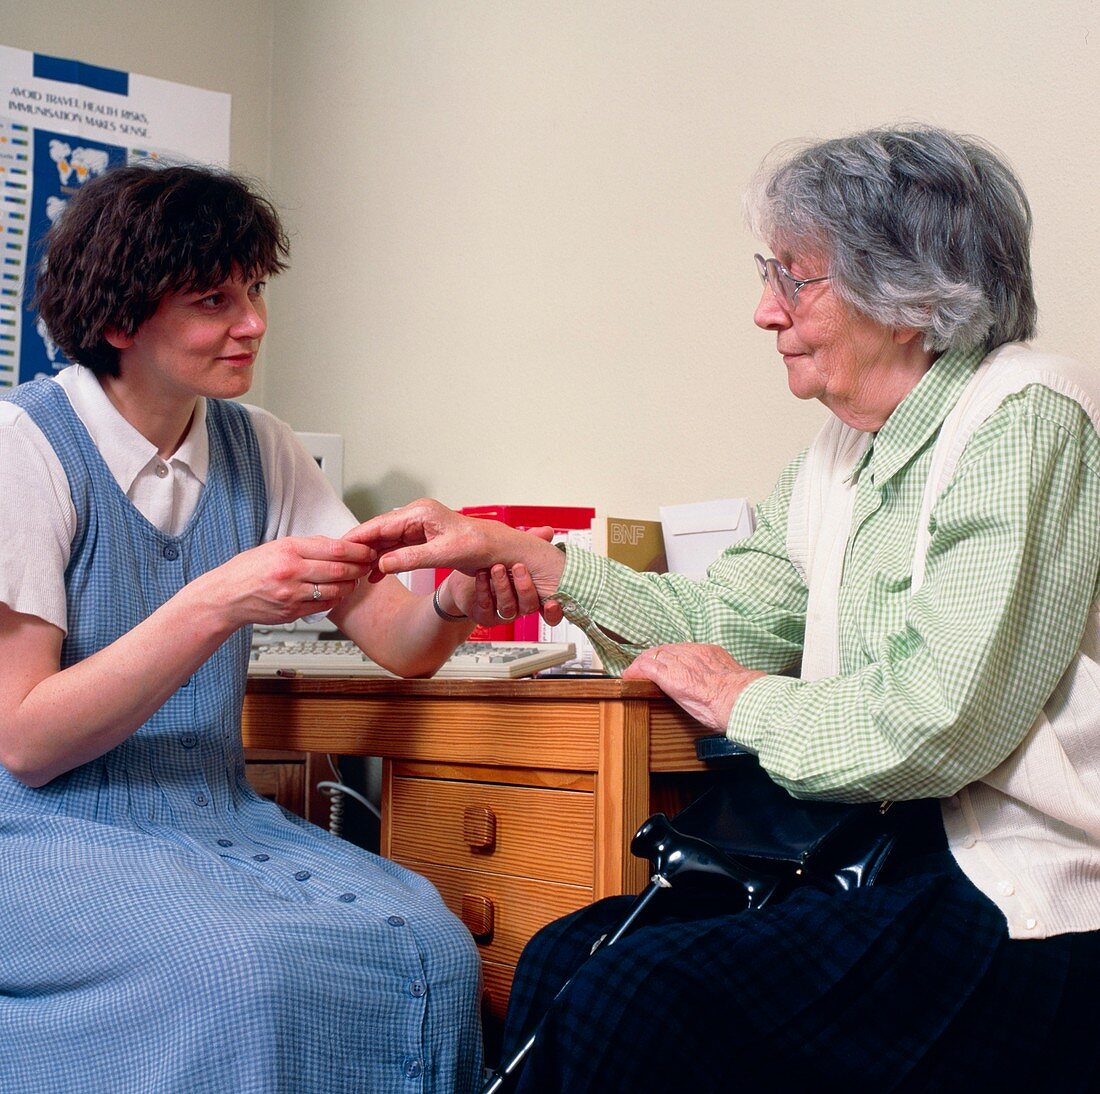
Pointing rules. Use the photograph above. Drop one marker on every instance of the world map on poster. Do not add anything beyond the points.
(62, 123)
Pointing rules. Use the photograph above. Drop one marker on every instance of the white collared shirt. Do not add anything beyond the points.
(38, 521)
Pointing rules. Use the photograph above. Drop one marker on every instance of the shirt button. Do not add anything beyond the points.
(188, 740)
(396, 921)
(162, 471)
(418, 989)
(1005, 888)
(171, 552)
(412, 1067)
(347, 898)
(261, 858)
(969, 842)
(1031, 924)
(225, 843)
(201, 799)
(302, 875)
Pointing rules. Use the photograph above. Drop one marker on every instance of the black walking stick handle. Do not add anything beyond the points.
(506, 1077)
(671, 853)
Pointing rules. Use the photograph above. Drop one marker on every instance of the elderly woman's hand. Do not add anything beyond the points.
(424, 535)
(705, 680)
(427, 534)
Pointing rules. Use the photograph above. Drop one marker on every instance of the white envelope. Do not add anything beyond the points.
(697, 533)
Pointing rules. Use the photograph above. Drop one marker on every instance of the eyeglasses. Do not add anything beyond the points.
(781, 281)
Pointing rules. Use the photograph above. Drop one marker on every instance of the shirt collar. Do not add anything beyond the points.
(124, 450)
(921, 413)
(194, 453)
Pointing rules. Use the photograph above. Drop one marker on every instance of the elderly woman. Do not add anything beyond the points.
(164, 928)
(931, 563)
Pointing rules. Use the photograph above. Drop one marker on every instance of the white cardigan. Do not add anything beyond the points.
(1028, 833)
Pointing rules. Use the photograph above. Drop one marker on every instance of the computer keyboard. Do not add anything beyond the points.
(472, 660)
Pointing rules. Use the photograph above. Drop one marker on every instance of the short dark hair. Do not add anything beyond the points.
(135, 234)
(923, 228)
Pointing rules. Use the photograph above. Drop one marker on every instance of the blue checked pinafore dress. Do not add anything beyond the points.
(162, 927)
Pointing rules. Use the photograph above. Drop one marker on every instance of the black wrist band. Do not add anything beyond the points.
(445, 616)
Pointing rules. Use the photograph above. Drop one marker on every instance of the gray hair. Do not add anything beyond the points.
(922, 228)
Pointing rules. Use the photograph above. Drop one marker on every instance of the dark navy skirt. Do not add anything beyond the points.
(912, 985)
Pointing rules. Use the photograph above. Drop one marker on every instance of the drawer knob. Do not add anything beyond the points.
(477, 914)
(479, 827)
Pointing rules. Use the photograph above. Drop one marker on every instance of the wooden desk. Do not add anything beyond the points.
(518, 799)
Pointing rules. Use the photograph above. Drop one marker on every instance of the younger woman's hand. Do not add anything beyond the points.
(286, 579)
(499, 595)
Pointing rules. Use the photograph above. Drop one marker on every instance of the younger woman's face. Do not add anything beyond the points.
(198, 343)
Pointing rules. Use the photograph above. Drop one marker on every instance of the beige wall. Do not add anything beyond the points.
(206, 43)
(520, 273)
(519, 268)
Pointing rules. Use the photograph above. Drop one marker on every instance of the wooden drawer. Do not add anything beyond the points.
(289, 779)
(518, 907)
(498, 986)
(282, 783)
(519, 830)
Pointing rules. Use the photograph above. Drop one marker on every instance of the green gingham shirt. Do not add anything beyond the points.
(937, 688)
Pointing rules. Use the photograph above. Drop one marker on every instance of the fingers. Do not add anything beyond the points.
(441, 538)
(384, 534)
(323, 548)
(322, 596)
(411, 523)
(514, 592)
(402, 559)
(334, 572)
(648, 665)
(523, 586)
(497, 595)
(506, 602)
(315, 571)
(552, 612)
(321, 559)
(483, 598)
(639, 669)
(474, 597)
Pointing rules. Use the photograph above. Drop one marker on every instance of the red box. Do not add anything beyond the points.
(561, 518)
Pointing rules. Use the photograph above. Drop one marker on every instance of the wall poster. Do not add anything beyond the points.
(61, 123)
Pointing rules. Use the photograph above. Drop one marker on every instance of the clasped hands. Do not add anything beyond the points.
(502, 572)
(515, 573)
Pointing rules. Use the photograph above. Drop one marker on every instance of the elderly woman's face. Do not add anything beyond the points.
(849, 362)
